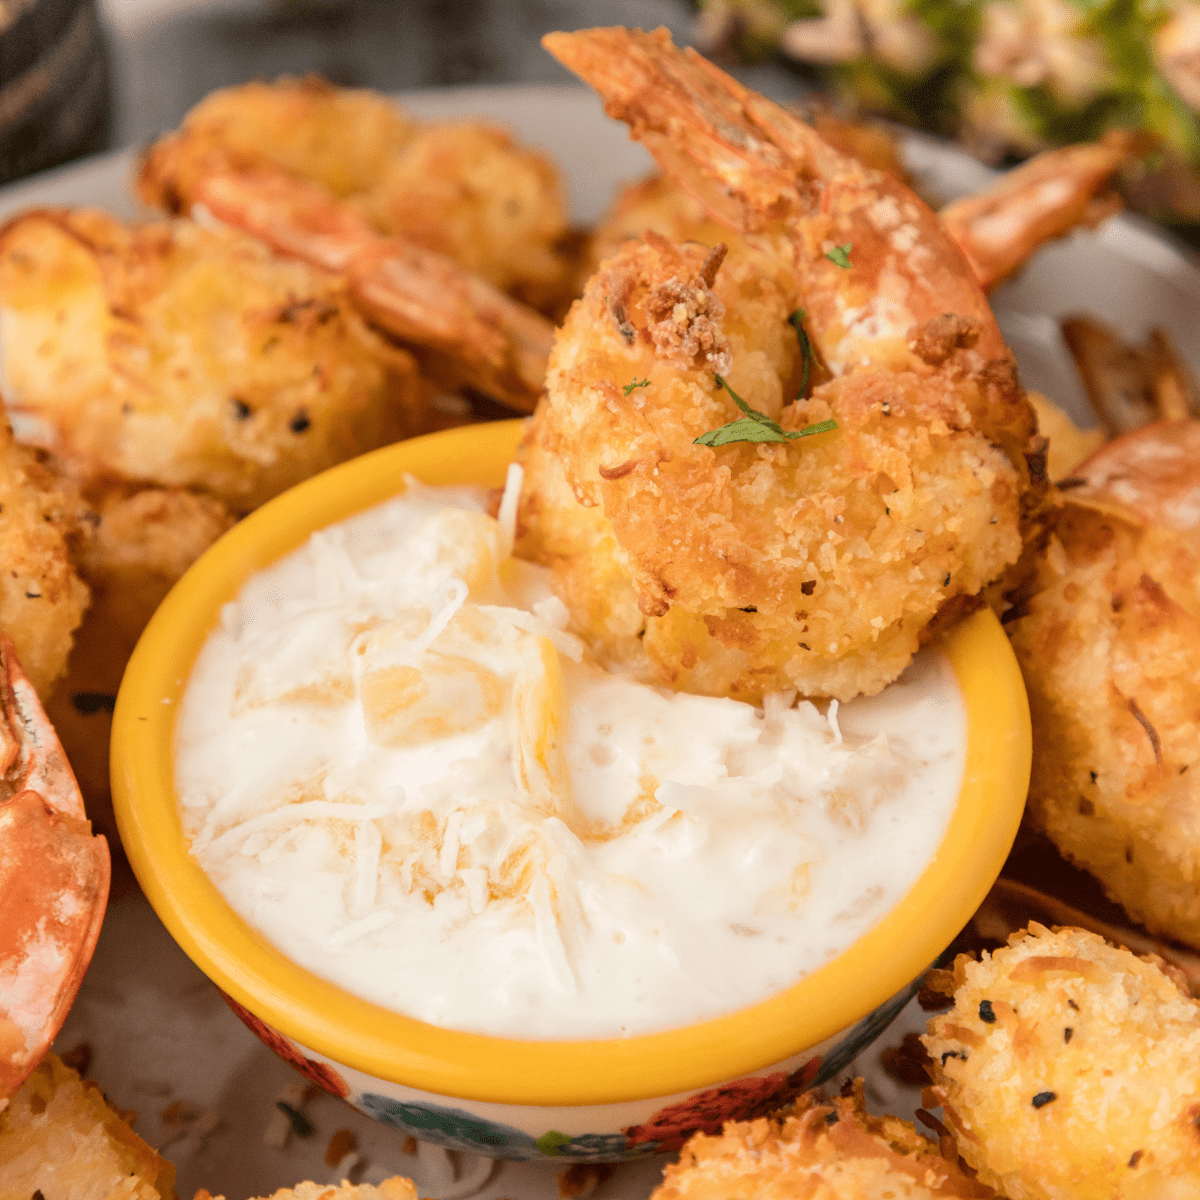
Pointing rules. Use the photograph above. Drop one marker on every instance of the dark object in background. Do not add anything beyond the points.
(54, 84)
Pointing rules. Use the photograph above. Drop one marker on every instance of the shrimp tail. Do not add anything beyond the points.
(462, 330)
(755, 167)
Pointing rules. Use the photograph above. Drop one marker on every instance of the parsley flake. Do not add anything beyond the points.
(637, 383)
(796, 321)
(755, 426)
(840, 255)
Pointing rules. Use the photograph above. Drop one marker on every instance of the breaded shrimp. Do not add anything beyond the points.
(395, 1188)
(998, 228)
(1107, 633)
(181, 356)
(1068, 1070)
(467, 190)
(341, 138)
(817, 1150)
(42, 598)
(744, 569)
(59, 1136)
(464, 330)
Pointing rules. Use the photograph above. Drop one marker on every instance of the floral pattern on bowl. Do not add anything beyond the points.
(659, 1128)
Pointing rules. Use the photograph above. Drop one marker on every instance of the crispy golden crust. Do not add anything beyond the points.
(752, 568)
(1067, 1071)
(42, 597)
(1109, 644)
(466, 190)
(180, 356)
(755, 167)
(469, 191)
(144, 539)
(816, 1150)
(342, 138)
(396, 1188)
(58, 1137)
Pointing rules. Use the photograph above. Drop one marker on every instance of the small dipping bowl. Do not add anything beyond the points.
(607, 1099)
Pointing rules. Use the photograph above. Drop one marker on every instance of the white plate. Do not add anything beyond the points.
(158, 1030)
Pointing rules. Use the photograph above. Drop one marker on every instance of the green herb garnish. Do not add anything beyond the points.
(755, 426)
(637, 383)
(796, 321)
(840, 255)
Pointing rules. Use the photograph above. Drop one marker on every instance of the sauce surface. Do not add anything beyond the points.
(394, 761)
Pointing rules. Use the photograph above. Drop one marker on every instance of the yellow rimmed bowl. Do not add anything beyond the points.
(606, 1099)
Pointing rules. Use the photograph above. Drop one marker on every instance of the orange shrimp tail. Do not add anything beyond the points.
(54, 878)
(756, 167)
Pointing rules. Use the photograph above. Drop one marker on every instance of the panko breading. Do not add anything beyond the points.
(817, 1150)
(42, 597)
(396, 1188)
(466, 190)
(469, 191)
(59, 1138)
(1070, 1070)
(751, 568)
(1107, 633)
(754, 567)
(144, 539)
(187, 357)
(342, 138)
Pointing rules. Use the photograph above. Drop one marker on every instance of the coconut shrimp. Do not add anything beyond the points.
(998, 228)
(739, 569)
(186, 357)
(465, 189)
(1107, 632)
(818, 1149)
(1067, 1068)
(461, 329)
(42, 598)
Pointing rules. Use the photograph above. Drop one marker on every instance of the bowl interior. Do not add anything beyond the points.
(372, 1039)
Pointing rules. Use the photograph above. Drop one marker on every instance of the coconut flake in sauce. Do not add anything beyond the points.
(394, 761)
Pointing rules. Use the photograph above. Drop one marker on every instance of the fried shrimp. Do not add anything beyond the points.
(1067, 1071)
(464, 330)
(181, 356)
(342, 138)
(467, 190)
(42, 598)
(817, 1150)
(1107, 633)
(998, 229)
(743, 569)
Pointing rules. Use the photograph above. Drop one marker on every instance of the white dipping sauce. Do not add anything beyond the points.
(395, 764)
